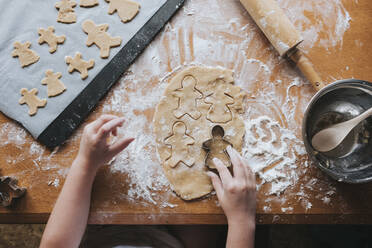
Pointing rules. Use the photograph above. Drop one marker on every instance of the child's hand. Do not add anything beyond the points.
(94, 150)
(236, 194)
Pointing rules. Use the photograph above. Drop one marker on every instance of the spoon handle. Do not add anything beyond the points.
(364, 115)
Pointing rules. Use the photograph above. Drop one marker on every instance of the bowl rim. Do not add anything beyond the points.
(309, 150)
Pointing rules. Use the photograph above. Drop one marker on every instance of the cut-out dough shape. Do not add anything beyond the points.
(88, 3)
(187, 99)
(55, 86)
(9, 191)
(48, 36)
(25, 55)
(33, 102)
(66, 12)
(219, 111)
(179, 142)
(78, 64)
(216, 148)
(126, 9)
(97, 35)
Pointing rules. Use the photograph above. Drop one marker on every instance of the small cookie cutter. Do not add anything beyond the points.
(217, 133)
(9, 191)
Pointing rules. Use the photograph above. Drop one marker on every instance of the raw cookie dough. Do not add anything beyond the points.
(97, 35)
(88, 3)
(33, 102)
(25, 55)
(179, 143)
(219, 111)
(48, 36)
(55, 86)
(66, 12)
(216, 148)
(193, 182)
(80, 65)
(126, 9)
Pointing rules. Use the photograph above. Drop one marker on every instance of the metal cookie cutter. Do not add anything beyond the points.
(9, 191)
(217, 146)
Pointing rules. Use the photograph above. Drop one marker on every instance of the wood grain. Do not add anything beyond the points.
(350, 204)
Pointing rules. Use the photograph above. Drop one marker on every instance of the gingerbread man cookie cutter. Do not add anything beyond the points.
(9, 191)
(216, 148)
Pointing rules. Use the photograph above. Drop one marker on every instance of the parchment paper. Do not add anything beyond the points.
(20, 21)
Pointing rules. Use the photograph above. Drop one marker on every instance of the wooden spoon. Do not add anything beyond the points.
(329, 138)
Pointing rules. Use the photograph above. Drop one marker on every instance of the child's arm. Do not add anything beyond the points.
(237, 196)
(69, 217)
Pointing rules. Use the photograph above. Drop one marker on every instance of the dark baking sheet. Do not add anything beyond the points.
(64, 125)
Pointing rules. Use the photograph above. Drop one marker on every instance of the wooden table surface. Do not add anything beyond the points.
(213, 33)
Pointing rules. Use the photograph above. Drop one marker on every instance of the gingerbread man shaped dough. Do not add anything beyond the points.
(48, 36)
(78, 64)
(55, 86)
(33, 102)
(216, 148)
(97, 35)
(24, 53)
(126, 9)
(179, 142)
(219, 111)
(187, 97)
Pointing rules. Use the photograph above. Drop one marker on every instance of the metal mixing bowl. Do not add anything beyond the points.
(341, 101)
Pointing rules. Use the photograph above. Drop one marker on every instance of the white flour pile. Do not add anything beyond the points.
(272, 142)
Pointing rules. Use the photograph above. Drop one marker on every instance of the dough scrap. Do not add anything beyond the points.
(193, 182)
(33, 102)
(97, 35)
(66, 12)
(25, 55)
(216, 148)
(126, 9)
(55, 86)
(80, 65)
(179, 142)
(187, 96)
(219, 111)
(88, 3)
(48, 36)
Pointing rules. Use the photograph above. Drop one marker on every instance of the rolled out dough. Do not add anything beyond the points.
(191, 182)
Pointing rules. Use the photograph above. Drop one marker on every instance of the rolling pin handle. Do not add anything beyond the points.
(307, 68)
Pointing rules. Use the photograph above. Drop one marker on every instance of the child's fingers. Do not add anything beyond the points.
(223, 171)
(115, 132)
(97, 124)
(250, 175)
(217, 184)
(238, 169)
(108, 127)
(120, 145)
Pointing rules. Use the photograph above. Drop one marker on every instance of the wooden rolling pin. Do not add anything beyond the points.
(282, 34)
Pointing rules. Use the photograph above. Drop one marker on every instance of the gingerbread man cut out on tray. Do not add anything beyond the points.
(48, 36)
(25, 55)
(66, 12)
(179, 142)
(219, 111)
(80, 65)
(126, 9)
(216, 148)
(55, 86)
(33, 102)
(97, 35)
(187, 99)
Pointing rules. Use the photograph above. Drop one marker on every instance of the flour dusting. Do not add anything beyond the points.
(272, 143)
